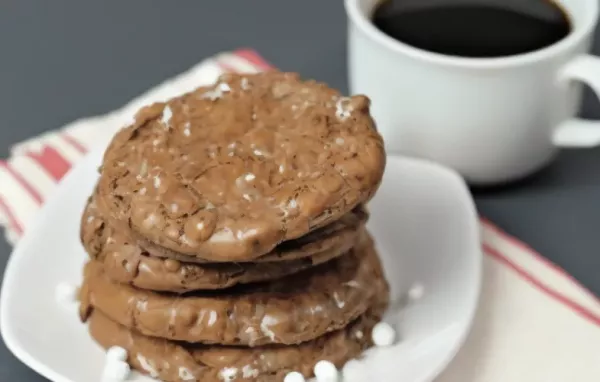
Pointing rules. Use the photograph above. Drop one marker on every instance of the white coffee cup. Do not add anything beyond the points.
(491, 119)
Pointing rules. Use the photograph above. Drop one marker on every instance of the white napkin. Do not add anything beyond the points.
(535, 323)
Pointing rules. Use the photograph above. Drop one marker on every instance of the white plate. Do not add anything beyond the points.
(425, 226)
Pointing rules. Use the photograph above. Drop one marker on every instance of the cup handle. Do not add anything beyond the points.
(577, 132)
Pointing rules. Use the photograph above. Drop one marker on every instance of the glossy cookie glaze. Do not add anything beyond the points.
(124, 261)
(334, 237)
(298, 308)
(227, 172)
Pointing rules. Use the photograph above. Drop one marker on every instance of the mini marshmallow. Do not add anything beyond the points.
(66, 293)
(326, 371)
(294, 376)
(116, 353)
(383, 334)
(416, 292)
(115, 371)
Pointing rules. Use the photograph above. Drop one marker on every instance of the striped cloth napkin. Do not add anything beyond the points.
(535, 323)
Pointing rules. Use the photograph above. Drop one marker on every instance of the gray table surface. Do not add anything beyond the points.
(65, 59)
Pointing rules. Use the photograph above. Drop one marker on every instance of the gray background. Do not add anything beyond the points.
(61, 60)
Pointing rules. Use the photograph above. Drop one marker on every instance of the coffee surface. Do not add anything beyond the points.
(473, 28)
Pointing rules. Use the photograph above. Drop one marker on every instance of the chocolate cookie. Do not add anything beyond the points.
(176, 362)
(334, 237)
(298, 308)
(124, 261)
(227, 172)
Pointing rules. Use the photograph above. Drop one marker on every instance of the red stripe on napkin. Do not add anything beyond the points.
(253, 58)
(12, 219)
(51, 161)
(226, 67)
(22, 181)
(582, 311)
(73, 142)
(514, 241)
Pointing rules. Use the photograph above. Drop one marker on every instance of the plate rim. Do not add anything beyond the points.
(478, 251)
(12, 343)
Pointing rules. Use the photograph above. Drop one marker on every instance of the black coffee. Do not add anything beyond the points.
(473, 28)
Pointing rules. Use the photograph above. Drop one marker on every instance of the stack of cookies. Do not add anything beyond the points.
(227, 233)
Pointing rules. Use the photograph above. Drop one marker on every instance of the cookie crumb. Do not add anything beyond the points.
(217, 92)
(249, 372)
(244, 84)
(343, 109)
(141, 306)
(147, 366)
(228, 374)
(166, 116)
(157, 181)
(316, 309)
(186, 375)
(143, 170)
(353, 284)
(150, 221)
(242, 235)
(265, 325)
(223, 236)
(212, 318)
(339, 302)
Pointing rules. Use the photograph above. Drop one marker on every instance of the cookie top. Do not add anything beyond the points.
(227, 172)
(298, 308)
(175, 362)
(124, 261)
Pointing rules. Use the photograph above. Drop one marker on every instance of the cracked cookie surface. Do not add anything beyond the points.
(227, 172)
(124, 261)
